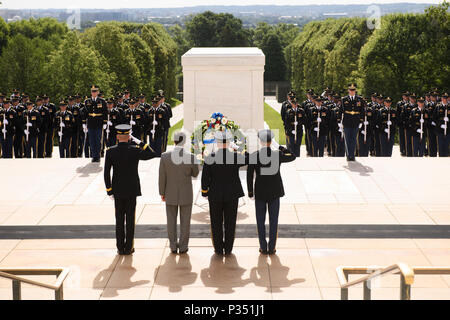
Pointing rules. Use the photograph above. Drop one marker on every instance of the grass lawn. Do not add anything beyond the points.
(172, 129)
(175, 102)
(273, 119)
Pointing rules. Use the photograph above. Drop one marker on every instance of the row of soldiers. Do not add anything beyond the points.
(420, 122)
(79, 125)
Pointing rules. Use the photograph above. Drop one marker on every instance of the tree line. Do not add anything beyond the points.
(408, 52)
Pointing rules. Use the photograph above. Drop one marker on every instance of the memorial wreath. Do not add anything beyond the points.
(202, 139)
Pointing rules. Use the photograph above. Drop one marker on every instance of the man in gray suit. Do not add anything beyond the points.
(176, 169)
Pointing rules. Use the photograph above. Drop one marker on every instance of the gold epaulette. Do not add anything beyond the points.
(204, 191)
(109, 189)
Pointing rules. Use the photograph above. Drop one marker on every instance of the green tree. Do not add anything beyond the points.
(275, 68)
(108, 39)
(74, 67)
(4, 33)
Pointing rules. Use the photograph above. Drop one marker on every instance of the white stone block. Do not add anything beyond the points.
(226, 80)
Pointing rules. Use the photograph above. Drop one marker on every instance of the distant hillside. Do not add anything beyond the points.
(250, 15)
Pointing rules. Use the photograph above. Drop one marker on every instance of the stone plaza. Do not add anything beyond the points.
(374, 212)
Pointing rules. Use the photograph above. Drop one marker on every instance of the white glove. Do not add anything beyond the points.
(319, 120)
(135, 140)
(443, 126)
(109, 123)
(293, 131)
(433, 123)
(389, 123)
(85, 129)
(155, 122)
(340, 130)
(29, 124)
(132, 123)
(422, 121)
(366, 123)
(60, 133)
(152, 131)
(340, 125)
(111, 197)
(295, 122)
(386, 130)
(360, 125)
(104, 126)
(62, 125)
(363, 132)
(5, 122)
(234, 146)
(445, 119)
(419, 130)
(25, 131)
(316, 129)
(4, 130)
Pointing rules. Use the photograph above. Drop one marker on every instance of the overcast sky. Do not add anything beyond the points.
(108, 4)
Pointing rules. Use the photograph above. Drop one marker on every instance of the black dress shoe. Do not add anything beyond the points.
(227, 253)
(174, 251)
(263, 251)
(272, 251)
(218, 252)
(128, 252)
(184, 251)
(120, 252)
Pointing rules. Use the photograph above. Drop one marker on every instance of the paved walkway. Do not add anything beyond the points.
(271, 101)
(373, 212)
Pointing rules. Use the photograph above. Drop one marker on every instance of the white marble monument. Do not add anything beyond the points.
(226, 80)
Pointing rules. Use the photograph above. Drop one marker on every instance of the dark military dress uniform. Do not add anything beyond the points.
(136, 118)
(222, 185)
(50, 132)
(19, 140)
(295, 119)
(44, 128)
(319, 123)
(418, 121)
(267, 189)
(431, 130)
(404, 116)
(441, 118)
(95, 119)
(401, 128)
(8, 118)
(114, 118)
(387, 122)
(366, 131)
(353, 107)
(32, 122)
(125, 186)
(76, 140)
(156, 119)
(64, 123)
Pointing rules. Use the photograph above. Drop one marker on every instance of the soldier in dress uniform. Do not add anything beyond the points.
(441, 119)
(84, 133)
(319, 123)
(294, 121)
(366, 130)
(126, 97)
(156, 123)
(114, 118)
(64, 123)
(286, 105)
(306, 106)
(387, 122)
(168, 110)
(418, 122)
(32, 121)
(95, 121)
(44, 128)
(401, 127)
(8, 118)
(124, 187)
(50, 130)
(76, 114)
(19, 137)
(404, 120)
(337, 140)
(78, 109)
(135, 117)
(353, 107)
(120, 104)
(222, 185)
(431, 126)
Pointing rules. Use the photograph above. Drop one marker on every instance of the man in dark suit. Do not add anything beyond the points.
(222, 185)
(124, 158)
(268, 188)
